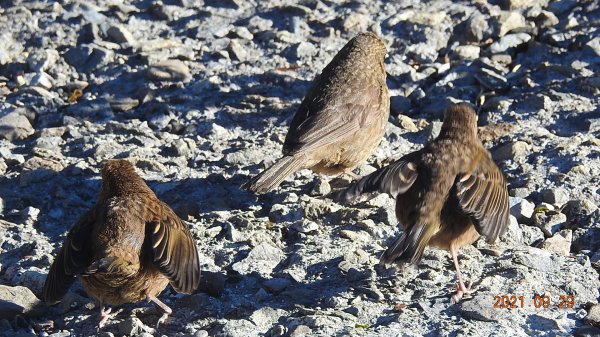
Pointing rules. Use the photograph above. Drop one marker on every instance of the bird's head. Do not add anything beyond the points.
(460, 118)
(119, 177)
(370, 42)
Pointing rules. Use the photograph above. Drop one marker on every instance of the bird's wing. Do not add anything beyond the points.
(74, 257)
(393, 179)
(482, 195)
(326, 120)
(175, 251)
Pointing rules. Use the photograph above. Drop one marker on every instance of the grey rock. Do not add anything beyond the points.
(513, 150)
(593, 315)
(511, 20)
(520, 192)
(532, 235)
(261, 295)
(546, 19)
(11, 158)
(537, 259)
(201, 333)
(562, 6)
(593, 124)
(376, 230)
(169, 71)
(509, 41)
(517, 4)
(316, 209)
(476, 27)
(276, 285)
(490, 79)
(86, 58)
(559, 243)
(31, 215)
(15, 126)
(42, 60)
(277, 331)
(585, 239)
(261, 259)
(353, 310)
(539, 102)
(237, 50)
(120, 34)
(239, 327)
(357, 22)
(123, 104)
(42, 80)
(300, 331)
(433, 130)
(183, 147)
(4, 57)
(575, 209)
(468, 52)
(301, 51)
(521, 208)
(132, 326)
(586, 331)
(19, 301)
(594, 45)
(159, 120)
(514, 233)
(243, 33)
(305, 226)
(258, 24)
(322, 187)
(244, 157)
(549, 223)
(356, 236)
(280, 213)
(353, 259)
(32, 278)
(406, 123)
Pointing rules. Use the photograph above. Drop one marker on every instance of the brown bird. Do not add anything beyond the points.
(447, 194)
(126, 248)
(340, 121)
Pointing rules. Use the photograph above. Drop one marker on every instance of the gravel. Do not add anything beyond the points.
(199, 97)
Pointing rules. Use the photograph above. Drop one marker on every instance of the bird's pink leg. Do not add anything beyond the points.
(104, 316)
(461, 289)
(165, 309)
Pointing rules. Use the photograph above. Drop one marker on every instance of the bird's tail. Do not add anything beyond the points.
(409, 247)
(58, 281)
(274, 175)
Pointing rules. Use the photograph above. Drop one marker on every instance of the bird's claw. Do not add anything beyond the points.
(162, 319)
(461, 290)
(104, 317)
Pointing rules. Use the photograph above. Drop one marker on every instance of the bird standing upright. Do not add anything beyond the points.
(126, 248)
(341, 120)
(447, 194)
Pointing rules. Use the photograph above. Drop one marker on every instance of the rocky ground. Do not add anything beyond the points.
(199, 95)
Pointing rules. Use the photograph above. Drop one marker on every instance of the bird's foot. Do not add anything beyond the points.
(461, 290)
(104, 316)
(163, 307)
(162, 319)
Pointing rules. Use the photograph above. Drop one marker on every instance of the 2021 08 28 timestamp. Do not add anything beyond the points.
(537, 301)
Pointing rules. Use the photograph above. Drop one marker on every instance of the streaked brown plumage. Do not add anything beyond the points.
(341, 120)
(447, 194)
(126, 248)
